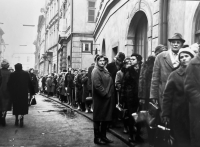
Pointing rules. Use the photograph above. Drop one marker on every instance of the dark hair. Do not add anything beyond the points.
(138, 57)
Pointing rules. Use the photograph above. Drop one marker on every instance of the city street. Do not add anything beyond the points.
(51, 124)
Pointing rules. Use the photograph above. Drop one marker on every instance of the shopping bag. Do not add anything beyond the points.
(163, 137)
(153, 111)
(33, 101)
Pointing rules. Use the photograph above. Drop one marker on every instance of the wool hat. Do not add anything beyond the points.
(5, 64)
(120, 56)
(159, 49)
(177, 36)
(186, 50)
(195, 47)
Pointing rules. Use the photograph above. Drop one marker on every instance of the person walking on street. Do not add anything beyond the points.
(103, 100)
(5, 99)
(34, 82)
(19, 84)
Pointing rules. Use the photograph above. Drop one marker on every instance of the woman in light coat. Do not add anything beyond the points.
(103, 100)
(5, 99)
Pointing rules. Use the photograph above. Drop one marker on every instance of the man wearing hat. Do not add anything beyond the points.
(112, 68)
(165, 63)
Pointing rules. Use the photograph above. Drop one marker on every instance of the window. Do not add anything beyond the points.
(87, 46)
(91, 11)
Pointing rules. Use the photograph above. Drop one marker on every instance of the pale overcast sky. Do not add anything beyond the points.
(15, 13)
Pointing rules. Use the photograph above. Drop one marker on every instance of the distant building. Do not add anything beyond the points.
(26, 59)
(2, 45)
(76, 28)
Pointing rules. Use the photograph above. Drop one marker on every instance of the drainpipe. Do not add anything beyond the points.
(71, 31)
(160, 34)
(165, 12)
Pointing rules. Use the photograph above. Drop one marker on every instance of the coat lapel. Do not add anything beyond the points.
(181, 71)
(168, 59)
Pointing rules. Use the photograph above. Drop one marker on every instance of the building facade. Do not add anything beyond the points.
(140, 25)
(76, 34)
(2, 45)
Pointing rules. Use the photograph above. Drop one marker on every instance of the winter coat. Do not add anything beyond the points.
(5, 98)
(84, 81)
(192, 91)
(103, 95)
(118, 80)
(89, 83)
(19, 84)
(176, 106)
(44, 81)
(34, 81)
(129, 89)
(49, 84)
(69, 78)
(62, 87)
(53, 84)
(145, 78)
(162, 68)
(78, 87)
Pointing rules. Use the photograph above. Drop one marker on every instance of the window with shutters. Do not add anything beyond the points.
(86, 46)
(91, 11)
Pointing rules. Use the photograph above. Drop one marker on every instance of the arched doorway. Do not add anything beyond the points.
(103, 48)
(137, 34)
(197, 26)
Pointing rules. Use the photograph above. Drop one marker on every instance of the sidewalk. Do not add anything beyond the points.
(117, 131)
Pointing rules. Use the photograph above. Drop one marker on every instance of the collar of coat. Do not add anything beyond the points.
(181, 71)
(196, 59)
(102, 69)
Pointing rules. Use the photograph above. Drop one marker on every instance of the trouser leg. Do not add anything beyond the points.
(97, 133)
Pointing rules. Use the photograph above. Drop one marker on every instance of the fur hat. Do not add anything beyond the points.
(186, 50)
(5, 64)
(159, 49)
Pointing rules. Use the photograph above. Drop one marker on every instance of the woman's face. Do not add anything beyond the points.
(133, 60)
(185, 59)
(128, 63)
(101, 62)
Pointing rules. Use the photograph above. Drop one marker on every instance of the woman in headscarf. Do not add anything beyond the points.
(103, 100)
(5, 99)
(175, 104)
(19, 84)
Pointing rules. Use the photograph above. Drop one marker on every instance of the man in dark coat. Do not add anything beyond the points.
(112, 68)
(19, 84)
(44, 83)
(192, 91)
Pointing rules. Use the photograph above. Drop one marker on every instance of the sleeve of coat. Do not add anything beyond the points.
(97, 84)
(192, 86)
(154, 91)
(168, 96)
(141, 84)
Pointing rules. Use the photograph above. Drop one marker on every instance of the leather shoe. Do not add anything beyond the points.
(106, 140)
(99, 141)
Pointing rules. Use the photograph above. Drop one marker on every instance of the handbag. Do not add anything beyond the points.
(153, 111)
(140, 116)
(163, 137)
(33, 101)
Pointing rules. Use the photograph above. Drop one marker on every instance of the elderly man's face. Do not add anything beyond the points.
(176, 45)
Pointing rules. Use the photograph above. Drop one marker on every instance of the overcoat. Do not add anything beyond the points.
(49, 84)
(84, 81)
(19, 84)
(34, 81)
(176, 106)
(5, 98)
(103, 95)
(69, 78)
(89, 83)
(162, 68)
(192, 90)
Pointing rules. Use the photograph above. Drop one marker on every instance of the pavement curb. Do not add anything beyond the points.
(113, 132)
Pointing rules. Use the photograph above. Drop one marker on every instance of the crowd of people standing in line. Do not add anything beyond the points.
(169, 79)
